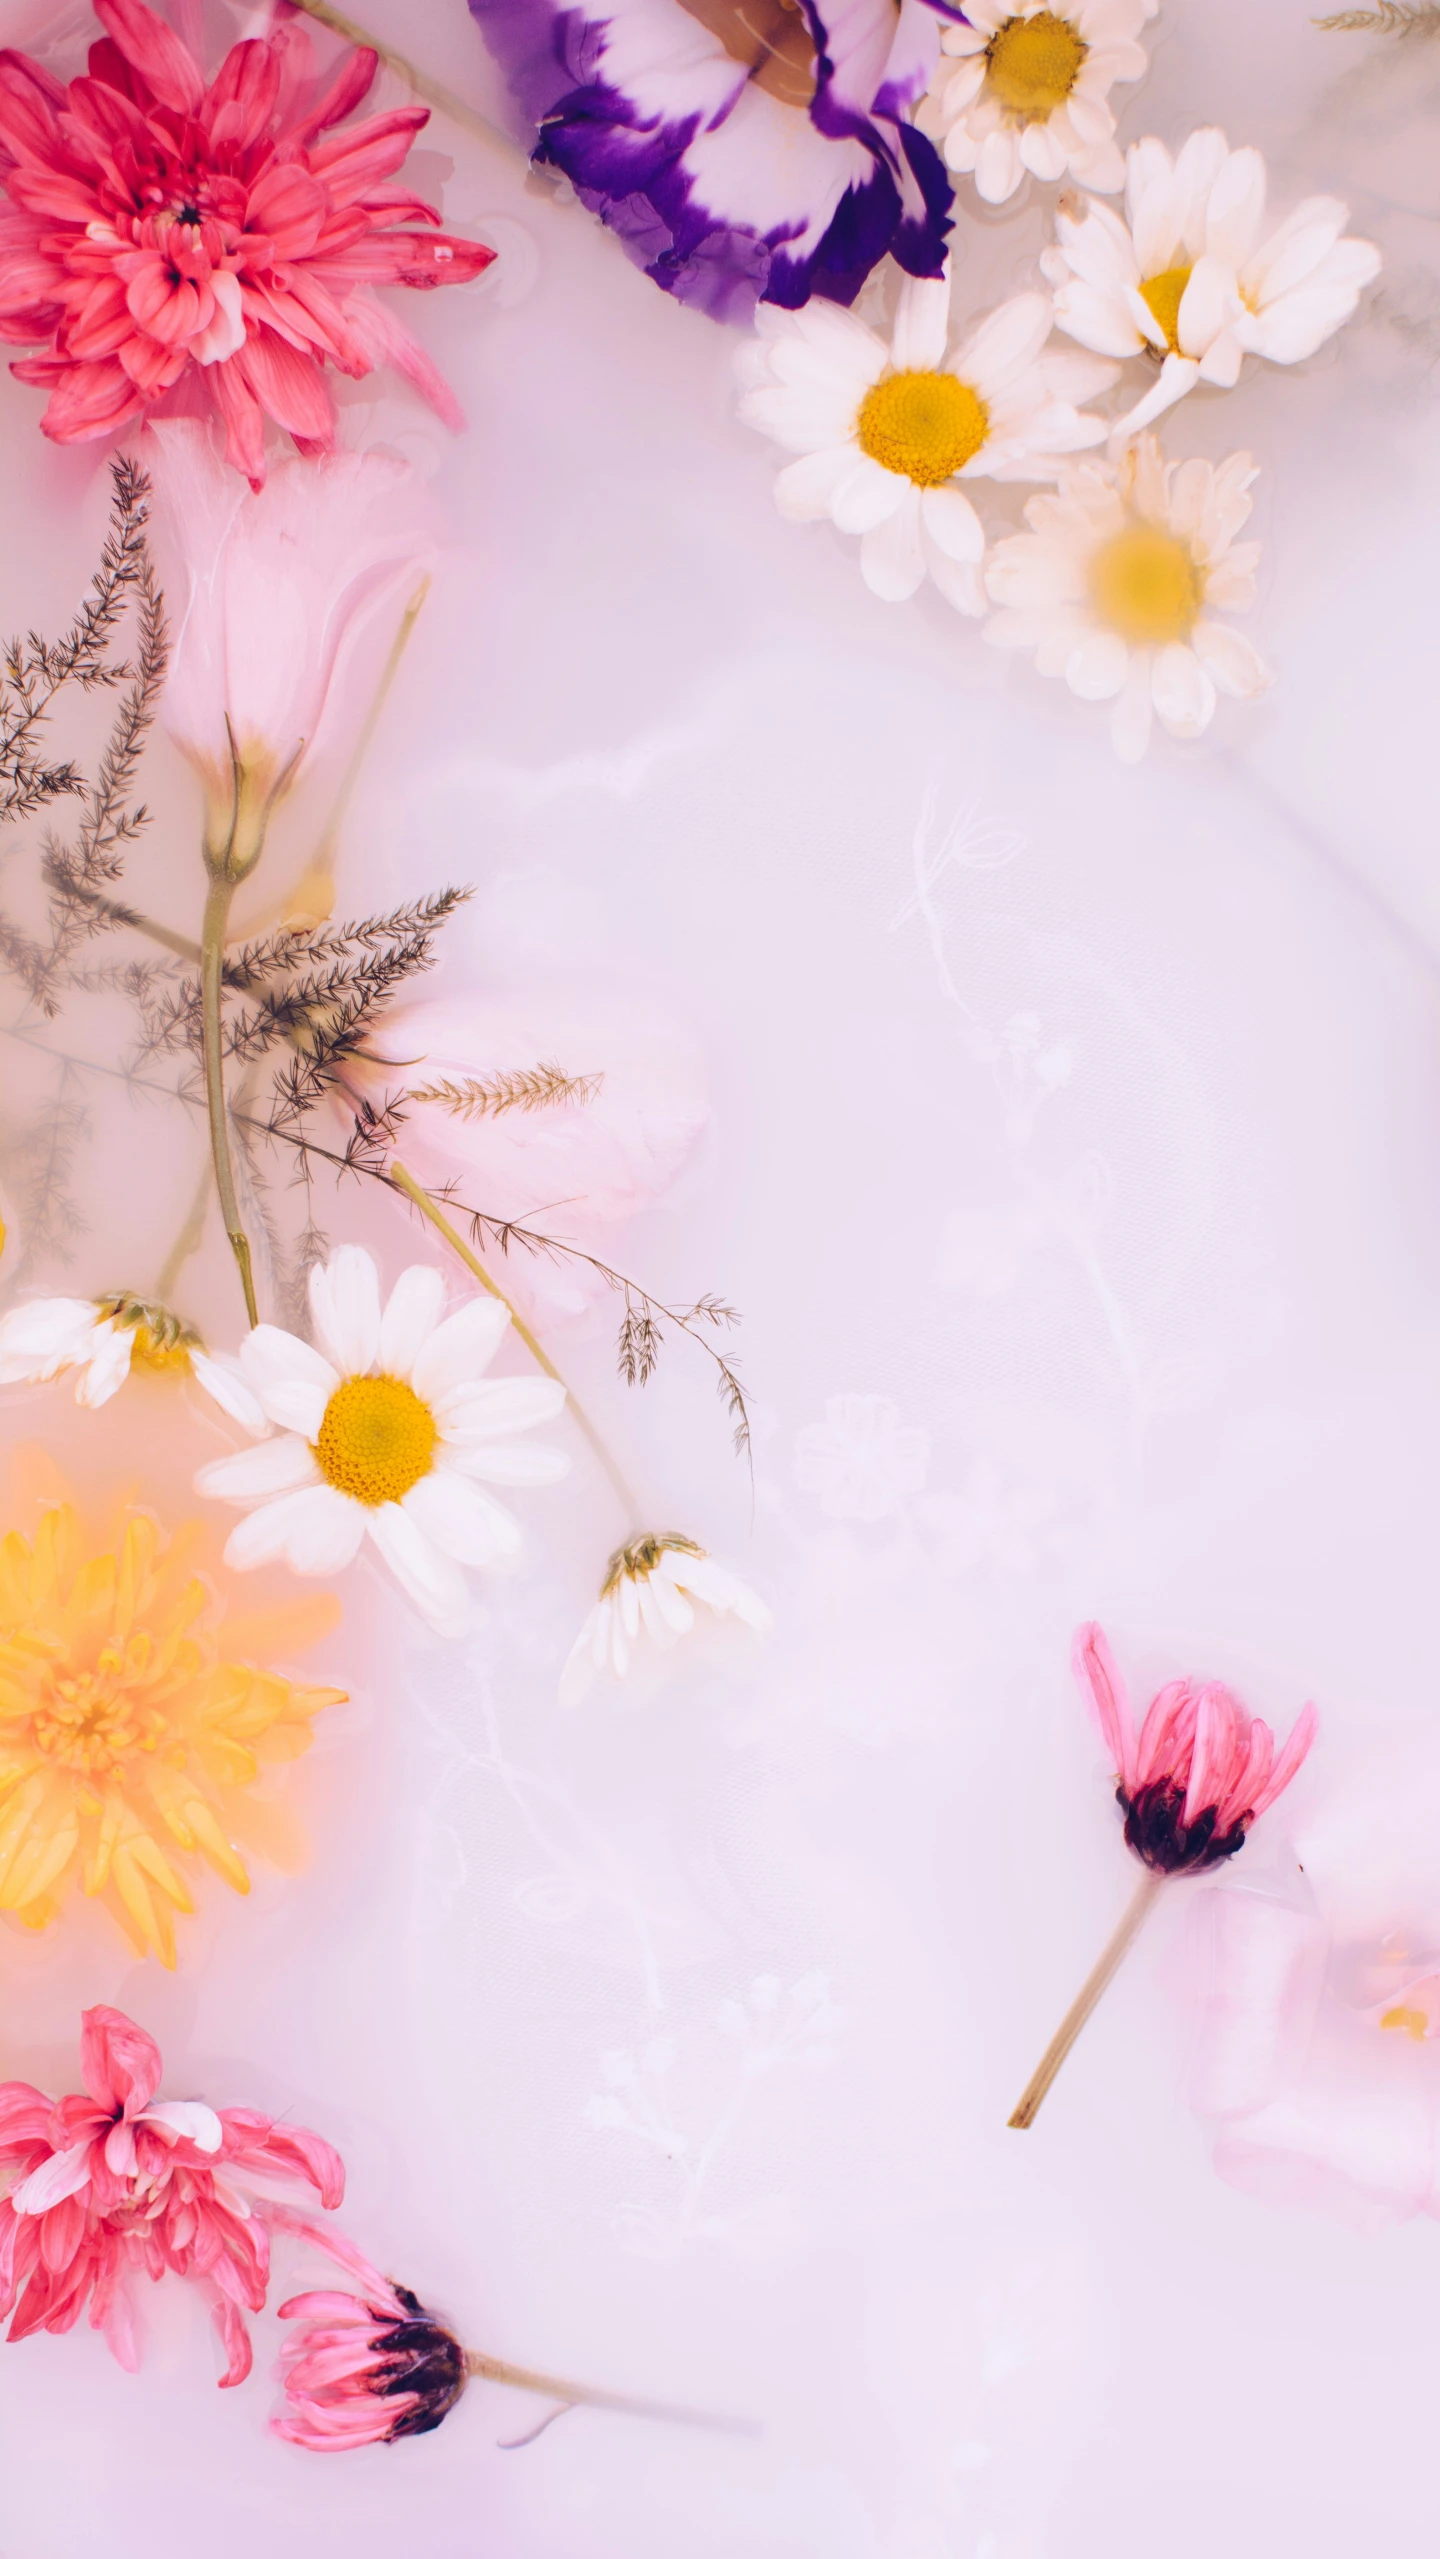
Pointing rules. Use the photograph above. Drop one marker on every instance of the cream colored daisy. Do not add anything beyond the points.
(386, 1427)
(105, 1340)
(648, 1603)
(1117, 584)
(1186, 279)
(1025, 86)
(887, 435)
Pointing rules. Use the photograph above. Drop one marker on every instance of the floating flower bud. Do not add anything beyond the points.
(106, 1339)
(647, 1603)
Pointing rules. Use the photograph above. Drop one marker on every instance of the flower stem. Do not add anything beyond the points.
(571, 2394)
(424, 87)
(188, 1240)
(1088, 1998)
(404, 1180)
(323, 860)
(212, 962)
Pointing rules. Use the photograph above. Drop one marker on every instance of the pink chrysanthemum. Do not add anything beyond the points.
(365, 2368)
(229, 238)
(119, 2183)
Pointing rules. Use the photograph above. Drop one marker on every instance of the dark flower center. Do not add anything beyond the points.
(1158, 1834)
(192, 214)
(421, 2357)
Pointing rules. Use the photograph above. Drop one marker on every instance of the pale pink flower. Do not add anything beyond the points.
(1317, 2058)
(222, 242)
(120, 2183)
(1200, 1770)
(365, 2368)
(273, 593)
(574, 1171)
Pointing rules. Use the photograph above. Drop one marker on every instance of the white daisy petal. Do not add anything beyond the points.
(345, 1306)
(805, 490)
(494, 1407)
(225, 1382)
(922, 322)
(1096, 670)
(1043, 152)
(952, 524)
(999, 167)
(869, 497)
(412, 1312)
(892, 561)
(1004, 345)
(1235, 664)
(1182, 692)
(44, 1335)
(460, 1349)
(1130, 721)
(315, 1530)
(254, 1474)
(506, 1461)
(462, 1521)
(291, 1382)
(108, 1366)
(428, 1577)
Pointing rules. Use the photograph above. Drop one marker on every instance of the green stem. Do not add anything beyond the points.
(212, 963)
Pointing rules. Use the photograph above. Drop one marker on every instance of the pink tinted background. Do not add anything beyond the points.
(1082, 1122)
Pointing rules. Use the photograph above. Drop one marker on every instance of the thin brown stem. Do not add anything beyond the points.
(1088, 1997)
(212, 964)
(574, 2394)
(404, 1180)
(324, 858)
(435, 95)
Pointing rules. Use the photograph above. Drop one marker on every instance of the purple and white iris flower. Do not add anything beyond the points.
(744, 150)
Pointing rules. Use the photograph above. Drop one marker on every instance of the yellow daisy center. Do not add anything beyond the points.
(1407, 2021)
(1162, 296)
(376, 1440)
(1034, 64)
(924, 426)
(1146, 585)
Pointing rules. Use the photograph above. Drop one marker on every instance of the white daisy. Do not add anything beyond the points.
(387, 1425)
(1183, 280)
(1026, 86)
(647, 1604)
(1116, 585)
(887, 433)
(105, 1338)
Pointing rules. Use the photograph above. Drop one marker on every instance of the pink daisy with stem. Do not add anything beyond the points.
(1200, 1771)
(221, 242)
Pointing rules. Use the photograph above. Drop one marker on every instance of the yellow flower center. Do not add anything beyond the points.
(1034, 64)
(376, 1440)
(93, 1720)
(924, 426)
(1162, 296)
(1146, 585)
(637, 1561)
(160, 1342)
(1407, 2021)
(152, 1352)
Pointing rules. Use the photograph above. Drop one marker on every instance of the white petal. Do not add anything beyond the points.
(1209, 302)
(952, 524)
(723, 1591)
(430, 1579)
(892, 562)
(999, 168)
(1182, 691)
(64, 2173)
(291, 1380)
(1231, 659)
(1096, 670)
(315, 1530)
(1005, 345)
(922, 324)
(806, 490)
(1236, 208)
(53, 1330)
(1131, 718)
(108, 1366)
(506, 1461)
(225, 1382)
(1043, 152)
(961, 582)
(869, 497)
(187, 2119)
(255, 1474)
(1177, 375)
(461, 1520)
(460, 1349)
(345, 1305)
(495, 1406)
(413, 1310)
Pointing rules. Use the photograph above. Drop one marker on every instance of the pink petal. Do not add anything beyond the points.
(1098, 1678)
(149, 47)
(119, 2063)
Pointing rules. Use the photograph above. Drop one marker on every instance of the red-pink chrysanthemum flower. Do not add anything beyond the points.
(365, 2367)
(1201, 1769)
(226, 238)
(119, 2183)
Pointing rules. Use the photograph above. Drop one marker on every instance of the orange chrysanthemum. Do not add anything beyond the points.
(127, 1731)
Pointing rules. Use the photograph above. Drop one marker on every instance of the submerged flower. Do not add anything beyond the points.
(119, 2183)
(1117, 584)
(1027, 86)
(274, 592)
(130, 1724)
(740, 157)
(1201, 1769)
(647, 1604)
(886, 434)
(1185, 278)
(107, 1339)
(228, 237)
(365, 2368)
(386, 1427)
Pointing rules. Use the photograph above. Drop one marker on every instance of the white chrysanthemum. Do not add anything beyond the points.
(104, 1338)
(1186, 279)
(1117, 583)
(647, 1603)
(1026, 85)
(886, 434)
(387, 1426)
